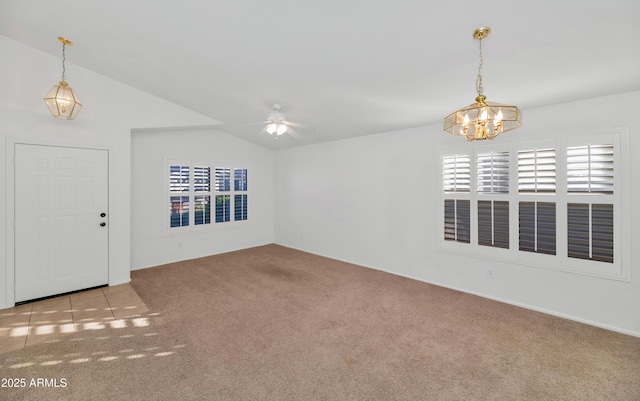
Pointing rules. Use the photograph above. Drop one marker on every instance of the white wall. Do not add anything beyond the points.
(151, 244)
(370, 200)
(375, 200)
(110, 110)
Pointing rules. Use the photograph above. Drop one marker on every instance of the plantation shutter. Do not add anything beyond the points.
(546, 226)
(202, 210)
(223, 210)
(201, 179)
(457, 220)
(602, 232)
(456, 173)
(240, 207)
(178, 205)
(240, 179)
(240, 200)
(456, 177)
(179, 209)
(450, 219)
(493, 172)
(463, 221)
(590, 169)
(493, 223)
(178, 178)
(223, 179)
(537, 171)
(590, 231)
(537, 227)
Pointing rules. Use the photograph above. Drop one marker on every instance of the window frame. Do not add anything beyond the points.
(212, 193)
(618, 270)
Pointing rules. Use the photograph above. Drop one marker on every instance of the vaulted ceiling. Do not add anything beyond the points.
(348, 67)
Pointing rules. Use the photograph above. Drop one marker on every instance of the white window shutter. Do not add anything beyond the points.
(493, 172)
(537, 171)
(590, 169)
(456, 173)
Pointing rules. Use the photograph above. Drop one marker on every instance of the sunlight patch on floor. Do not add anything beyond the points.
(47, 321)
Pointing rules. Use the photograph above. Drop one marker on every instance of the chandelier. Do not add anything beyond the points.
(61, 99)
(482, 119)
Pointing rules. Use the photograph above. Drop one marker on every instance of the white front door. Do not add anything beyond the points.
(61, 220)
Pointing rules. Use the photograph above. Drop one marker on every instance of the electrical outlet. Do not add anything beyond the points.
(490, 273)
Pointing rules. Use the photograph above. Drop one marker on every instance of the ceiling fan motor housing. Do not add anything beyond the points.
(276, 117)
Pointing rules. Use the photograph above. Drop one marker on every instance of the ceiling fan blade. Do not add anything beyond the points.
(261, 122)
(292, 133)
(303, 126)
(263, 131)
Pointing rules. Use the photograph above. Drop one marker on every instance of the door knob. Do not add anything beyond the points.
(103, 224)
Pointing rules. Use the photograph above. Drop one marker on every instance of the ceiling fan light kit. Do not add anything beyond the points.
(276, 122)
(482, 120)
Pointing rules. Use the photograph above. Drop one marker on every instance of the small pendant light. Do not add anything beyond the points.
(61, 99)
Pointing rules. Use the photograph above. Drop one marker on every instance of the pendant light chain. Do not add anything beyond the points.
(479, 87)
(64, 78)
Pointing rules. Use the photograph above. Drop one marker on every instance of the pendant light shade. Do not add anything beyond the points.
(61, 99)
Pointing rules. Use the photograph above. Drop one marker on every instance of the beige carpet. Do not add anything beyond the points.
(271, 323)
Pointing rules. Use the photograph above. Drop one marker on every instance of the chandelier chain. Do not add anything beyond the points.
(479, 87)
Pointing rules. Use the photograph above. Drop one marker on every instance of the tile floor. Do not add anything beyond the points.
(48, 320)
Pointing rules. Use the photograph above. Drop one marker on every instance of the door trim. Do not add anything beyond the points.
(9, 290)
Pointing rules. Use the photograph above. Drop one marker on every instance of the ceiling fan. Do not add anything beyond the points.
(277, 124)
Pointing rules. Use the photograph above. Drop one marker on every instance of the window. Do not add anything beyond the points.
(240, 198)
(565, 213)
(202, 209)
(457, 212)
(179, 211)
(223, 214)
(493, 223)
(493, 172)
(537, 171)
(492, 185)
(179, 183)
(537, 227)
(457, 220)
(457, 173)
(590, 169)
(202, 179)
(590, 231)
(537, 218)
(590, 179)
(193, 198)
